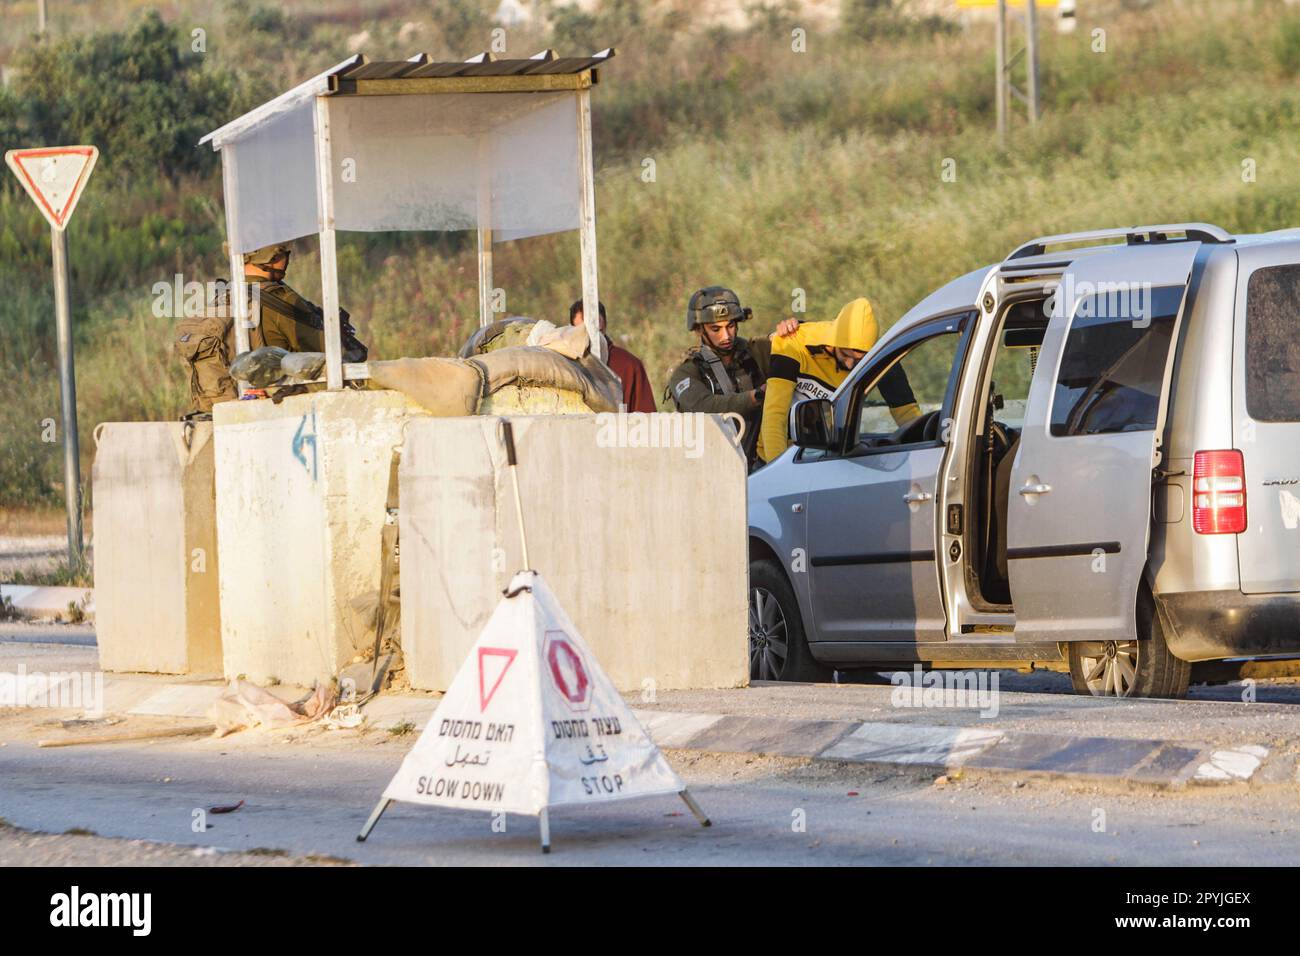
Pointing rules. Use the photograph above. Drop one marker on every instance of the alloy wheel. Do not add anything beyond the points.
(768, 641)
(1113, 672)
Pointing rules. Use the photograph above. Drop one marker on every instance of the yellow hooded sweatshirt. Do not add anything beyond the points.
(803, 365)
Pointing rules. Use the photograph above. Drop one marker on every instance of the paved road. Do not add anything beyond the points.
(308, 794)
(33, 632)
(310, 797)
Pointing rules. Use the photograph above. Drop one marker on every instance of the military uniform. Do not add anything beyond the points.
(704, 383)
(206, 343)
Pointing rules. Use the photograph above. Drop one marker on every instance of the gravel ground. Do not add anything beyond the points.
(77, 848)
(34, 554)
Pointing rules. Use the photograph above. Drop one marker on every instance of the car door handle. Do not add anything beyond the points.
(915, 498)
(1039, 489)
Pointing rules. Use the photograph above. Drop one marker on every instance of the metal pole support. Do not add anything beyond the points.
(1003, 79)
(68, 392)
(1031, 40)
(375, 814)
(695, 808)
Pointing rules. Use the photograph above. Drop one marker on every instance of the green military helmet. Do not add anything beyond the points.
(266, 255)
(714, 304)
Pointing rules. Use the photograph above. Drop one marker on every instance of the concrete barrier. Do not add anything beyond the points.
(637, 521)
(301, 489)
(156, 560)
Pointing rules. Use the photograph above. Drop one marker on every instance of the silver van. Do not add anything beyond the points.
(1105, 474)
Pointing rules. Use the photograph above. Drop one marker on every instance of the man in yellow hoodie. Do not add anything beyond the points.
(812, 363)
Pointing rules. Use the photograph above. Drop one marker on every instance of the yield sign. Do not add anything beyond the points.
(487, 686)
(54, 177)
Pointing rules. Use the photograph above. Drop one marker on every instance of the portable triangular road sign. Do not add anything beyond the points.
(531, 722)
(54, 177)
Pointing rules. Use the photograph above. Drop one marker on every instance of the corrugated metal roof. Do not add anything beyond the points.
(485, 64)
(343, 79)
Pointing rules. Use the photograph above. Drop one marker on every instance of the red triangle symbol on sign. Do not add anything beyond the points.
(506, 657)
(54, 177)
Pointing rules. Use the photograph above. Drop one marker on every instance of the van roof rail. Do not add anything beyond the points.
(1132, 235)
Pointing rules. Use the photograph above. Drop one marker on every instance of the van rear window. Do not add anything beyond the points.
(1113, 366)
(1273, 344)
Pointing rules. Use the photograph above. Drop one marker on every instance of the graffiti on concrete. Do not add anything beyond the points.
(304, 444)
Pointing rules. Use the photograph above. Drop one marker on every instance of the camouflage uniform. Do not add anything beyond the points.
(206, 343)
(704, 383)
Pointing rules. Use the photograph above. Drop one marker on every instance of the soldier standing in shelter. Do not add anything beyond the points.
(281, 318)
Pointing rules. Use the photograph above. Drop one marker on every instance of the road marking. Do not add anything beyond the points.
(1236, 763)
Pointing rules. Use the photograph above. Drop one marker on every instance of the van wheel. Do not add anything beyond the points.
(778, 649)
(1138, 668)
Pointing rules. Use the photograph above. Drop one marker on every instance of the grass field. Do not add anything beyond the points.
(774, 171)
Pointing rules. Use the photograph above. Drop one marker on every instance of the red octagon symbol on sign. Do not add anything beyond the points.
(568, 672)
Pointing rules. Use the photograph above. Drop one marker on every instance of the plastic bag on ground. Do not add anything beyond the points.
(243, 705)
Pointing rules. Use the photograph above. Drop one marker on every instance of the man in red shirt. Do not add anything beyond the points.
(638, 396)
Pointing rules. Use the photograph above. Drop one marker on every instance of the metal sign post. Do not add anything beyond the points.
(1031, 48)
(68, 391)
(1003, 80)
(54, 178)
(1006, 62)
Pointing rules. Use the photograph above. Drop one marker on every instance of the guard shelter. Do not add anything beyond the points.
(501, 146)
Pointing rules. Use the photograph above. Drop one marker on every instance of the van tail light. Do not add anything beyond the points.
(1219, 492)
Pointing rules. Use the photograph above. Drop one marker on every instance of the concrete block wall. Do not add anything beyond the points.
(301, 494)
(637, 522)
(155, 540)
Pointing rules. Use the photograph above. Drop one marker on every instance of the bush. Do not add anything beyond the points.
(1286, 46)
(141, 96)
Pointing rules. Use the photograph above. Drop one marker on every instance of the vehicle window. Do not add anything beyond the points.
(903, 406)
(1013, 369)
(1273, 344)
(1113, 364)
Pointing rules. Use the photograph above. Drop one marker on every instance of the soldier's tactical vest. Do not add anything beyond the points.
(720, 380)
(748, 376)
(206, 343)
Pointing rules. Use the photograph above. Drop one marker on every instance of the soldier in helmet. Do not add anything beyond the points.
(724, 373)
(281, 317)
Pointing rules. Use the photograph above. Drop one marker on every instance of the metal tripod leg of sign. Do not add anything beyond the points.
(512, 460)
(375, 814)
(695, 808)
(545, 822)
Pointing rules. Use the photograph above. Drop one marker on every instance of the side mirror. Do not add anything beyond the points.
(812, 423)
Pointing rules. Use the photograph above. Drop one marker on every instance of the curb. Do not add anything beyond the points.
(1141, 762)
(35, 603)
(1148, 763)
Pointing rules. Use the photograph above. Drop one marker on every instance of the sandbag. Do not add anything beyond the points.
(443, 387)
(260, 368)
(536, 365)
(303, 366)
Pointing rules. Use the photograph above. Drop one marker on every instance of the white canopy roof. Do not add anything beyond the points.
(416, 145)
(438, 155)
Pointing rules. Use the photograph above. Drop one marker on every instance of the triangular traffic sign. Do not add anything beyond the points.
(531, 721)
(54, 177)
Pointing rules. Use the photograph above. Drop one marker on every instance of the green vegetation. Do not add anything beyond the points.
(773, 170)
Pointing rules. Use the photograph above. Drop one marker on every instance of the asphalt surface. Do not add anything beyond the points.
(35, 632)
(305, 801)
(307, 793)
